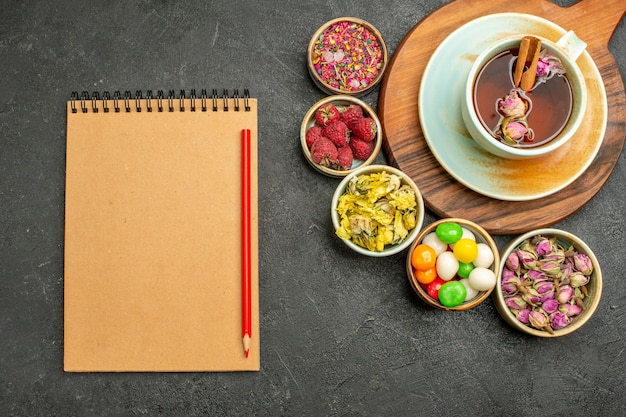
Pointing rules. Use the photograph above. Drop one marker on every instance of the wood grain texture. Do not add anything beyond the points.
(405, 147)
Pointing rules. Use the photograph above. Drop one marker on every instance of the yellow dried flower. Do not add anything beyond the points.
(376, 210)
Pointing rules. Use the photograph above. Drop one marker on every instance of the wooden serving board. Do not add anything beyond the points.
(404, 145)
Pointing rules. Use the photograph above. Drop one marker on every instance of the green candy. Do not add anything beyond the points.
(449, 232)
(452, 293)
(465, 269)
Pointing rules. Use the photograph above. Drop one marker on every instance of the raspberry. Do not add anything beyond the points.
(351, 114)
(365, 128)
(344, 158)
(312, 134)
(326, 114)
(324, 152)
(361, 149)
(337, 132)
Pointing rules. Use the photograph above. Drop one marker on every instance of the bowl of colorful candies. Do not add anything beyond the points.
(377, 210)
(452, 264)
(347, 56)
(549, 283)
(340, 134)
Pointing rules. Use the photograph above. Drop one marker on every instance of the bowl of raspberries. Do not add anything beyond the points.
(340, 134)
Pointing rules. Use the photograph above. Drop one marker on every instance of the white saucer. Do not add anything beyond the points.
(439, 108)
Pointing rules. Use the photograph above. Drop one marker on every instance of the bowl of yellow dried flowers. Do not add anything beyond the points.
(549, 283)
(377, 210)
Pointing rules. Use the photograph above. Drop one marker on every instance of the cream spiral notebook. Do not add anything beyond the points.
(153, 232)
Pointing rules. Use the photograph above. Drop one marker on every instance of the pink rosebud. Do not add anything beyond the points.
(547, 296)
(566, 270)
(522, 315)
(512, 262)
(542, 68)
(554, 257)
(554, 64)
(565, 294)
(543, 246)
(544, 287)
(559, 320)
(512, 105)
(514, 130)
(510, 281)
(538, 319)
(532, 296)
(547, 66)
(535, 275)
(578, 279)
(550, 306)
(570, 309)
(553, 253)
(582, 263)
(515, 302)
(550, 268)
(507, 273)
(527, 258)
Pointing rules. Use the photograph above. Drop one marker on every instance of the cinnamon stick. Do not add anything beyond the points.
(528, 77)
(521, 60)
(528, 53)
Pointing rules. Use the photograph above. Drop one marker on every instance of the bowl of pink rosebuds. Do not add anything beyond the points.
(549, 283)
(340, 134)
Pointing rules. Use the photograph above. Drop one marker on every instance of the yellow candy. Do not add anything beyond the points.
(465, 250)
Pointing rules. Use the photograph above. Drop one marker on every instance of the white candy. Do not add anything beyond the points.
(485, 256)
(447, 266)
(470, 292)
(482, 279)
(434, 242)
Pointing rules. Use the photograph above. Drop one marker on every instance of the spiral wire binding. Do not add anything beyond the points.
(128, 101)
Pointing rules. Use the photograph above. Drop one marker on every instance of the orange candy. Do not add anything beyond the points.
(427, 276)
(423, 257)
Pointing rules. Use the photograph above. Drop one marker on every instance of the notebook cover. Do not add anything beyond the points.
(153, 240)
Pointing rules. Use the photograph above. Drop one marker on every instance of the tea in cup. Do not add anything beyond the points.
(518, 120)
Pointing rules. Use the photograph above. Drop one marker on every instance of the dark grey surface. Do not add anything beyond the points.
(342, 335)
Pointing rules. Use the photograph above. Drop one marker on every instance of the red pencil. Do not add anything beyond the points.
(246, 244)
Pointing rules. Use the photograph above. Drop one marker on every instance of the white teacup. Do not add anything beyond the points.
(567, 50)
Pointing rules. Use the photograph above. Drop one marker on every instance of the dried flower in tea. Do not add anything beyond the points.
(514, 107)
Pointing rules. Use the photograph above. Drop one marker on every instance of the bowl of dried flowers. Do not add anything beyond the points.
(340, 134)
(377, 210)
(549, 283)
(347, 55)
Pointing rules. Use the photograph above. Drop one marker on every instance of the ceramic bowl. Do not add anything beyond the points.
(341, 102)
(390, 249)
(593, 288)
(330, 56)
(567, 51)
(481, 236)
